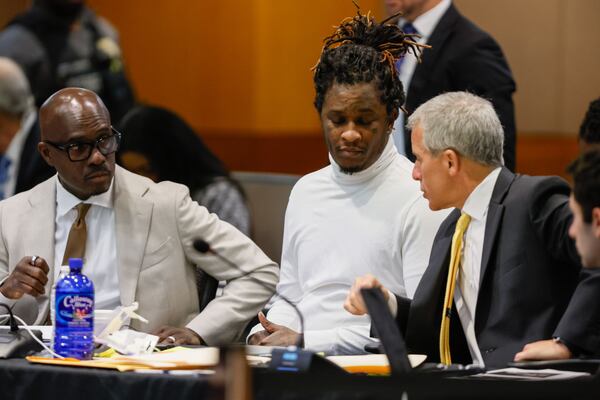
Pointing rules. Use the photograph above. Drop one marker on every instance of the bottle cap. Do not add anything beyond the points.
(75, 264)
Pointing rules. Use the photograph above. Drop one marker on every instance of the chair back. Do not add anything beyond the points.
(267, 195)
(207, 288)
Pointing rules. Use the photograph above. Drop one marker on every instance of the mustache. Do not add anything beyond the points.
(96, 170)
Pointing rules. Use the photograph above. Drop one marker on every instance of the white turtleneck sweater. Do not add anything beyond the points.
(339, 227)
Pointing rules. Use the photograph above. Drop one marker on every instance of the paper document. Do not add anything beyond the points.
(176, 358)
(522, 374)
(253, 350)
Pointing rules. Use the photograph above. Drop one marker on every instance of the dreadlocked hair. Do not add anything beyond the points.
(364, 50)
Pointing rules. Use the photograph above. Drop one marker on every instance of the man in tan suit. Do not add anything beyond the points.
(139, 243)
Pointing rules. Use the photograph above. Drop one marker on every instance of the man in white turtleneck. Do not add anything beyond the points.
(362, 214)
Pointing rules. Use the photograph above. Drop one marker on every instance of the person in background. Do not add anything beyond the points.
(21, 166)
(361, 214)
(163, 147)
(461, 57)
(585, 205)
(589, 132)
(504, 280)
(62, 43)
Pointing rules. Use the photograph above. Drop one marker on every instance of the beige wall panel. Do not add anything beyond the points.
(241, 68)
(192, 56)
(244, 66)
(531, 35)
(289, 42)
(229, 65)
(552, 47)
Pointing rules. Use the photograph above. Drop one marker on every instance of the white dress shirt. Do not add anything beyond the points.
(467, 283)
(339, 227)
(424, 24)
(101, 246)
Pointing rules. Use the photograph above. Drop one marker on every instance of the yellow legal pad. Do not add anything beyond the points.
(177, 358)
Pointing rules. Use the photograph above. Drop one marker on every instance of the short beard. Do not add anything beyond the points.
(351, 170)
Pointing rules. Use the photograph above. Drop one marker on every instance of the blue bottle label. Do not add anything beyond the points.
(74, 310)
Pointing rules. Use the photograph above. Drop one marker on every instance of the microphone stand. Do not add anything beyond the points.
(292, 358)
(203, 247)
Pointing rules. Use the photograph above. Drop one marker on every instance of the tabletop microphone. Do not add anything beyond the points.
(202, 246)
(290, 359)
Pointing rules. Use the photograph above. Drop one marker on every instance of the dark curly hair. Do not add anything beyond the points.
(586, 182)
(364, 50)
(590, 127)
(175, 151)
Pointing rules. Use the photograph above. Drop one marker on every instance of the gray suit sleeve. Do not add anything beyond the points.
(248, 288)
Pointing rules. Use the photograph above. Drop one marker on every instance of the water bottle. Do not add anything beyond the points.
(74, 314)
(64, 271)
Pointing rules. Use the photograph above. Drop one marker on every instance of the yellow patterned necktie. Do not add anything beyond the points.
(457, 240)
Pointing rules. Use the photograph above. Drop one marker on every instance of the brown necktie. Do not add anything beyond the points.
(77, 235)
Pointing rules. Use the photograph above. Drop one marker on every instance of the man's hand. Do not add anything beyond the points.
(354, 303)
(544, 350)
(177, 336)
(27, 278)
(258, 337)
(273, 335)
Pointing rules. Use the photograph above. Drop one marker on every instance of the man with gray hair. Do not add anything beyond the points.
(21, 166)
(503, 272)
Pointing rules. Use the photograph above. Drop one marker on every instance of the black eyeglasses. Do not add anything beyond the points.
(81, 151)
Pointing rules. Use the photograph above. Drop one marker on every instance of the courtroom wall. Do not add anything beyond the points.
(553, 47)
(239, 71)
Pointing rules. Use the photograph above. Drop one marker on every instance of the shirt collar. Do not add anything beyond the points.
(479, 200)
(426, 22)
(65, 200)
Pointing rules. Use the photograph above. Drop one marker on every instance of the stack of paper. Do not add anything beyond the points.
(530, 374)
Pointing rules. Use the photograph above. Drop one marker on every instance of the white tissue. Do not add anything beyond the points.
(131, 343)
(120, 316)
(126, 341)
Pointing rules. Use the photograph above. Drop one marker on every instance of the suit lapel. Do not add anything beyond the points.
(38, 234)
(426, 307)
(132, 223)
(437, 271)
(494, 218)
(423, 71)
(41, 216)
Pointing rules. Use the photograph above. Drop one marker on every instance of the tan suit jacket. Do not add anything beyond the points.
(156, 225)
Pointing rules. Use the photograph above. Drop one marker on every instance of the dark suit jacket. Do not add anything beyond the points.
(531, 286)
(32, 167)
(463, 57)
